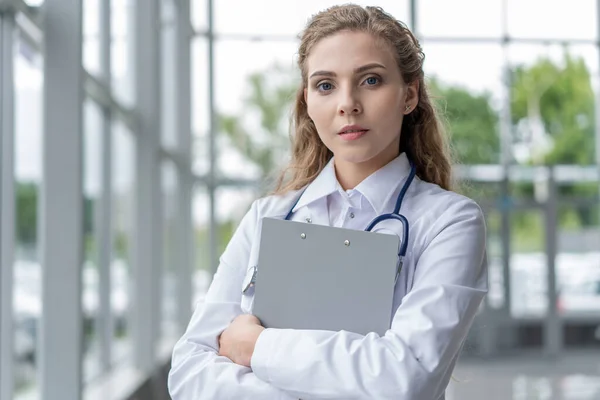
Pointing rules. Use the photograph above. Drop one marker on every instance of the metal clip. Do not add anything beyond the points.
(400, 262)
(252, 281)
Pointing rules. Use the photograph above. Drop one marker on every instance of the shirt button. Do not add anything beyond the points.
(308, 219)
(351, 215)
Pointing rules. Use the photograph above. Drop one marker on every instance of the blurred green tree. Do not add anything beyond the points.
(472, 123)
(552, 110)
(261, 132)
(26, 213)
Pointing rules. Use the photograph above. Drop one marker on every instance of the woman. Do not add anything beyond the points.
(362, 119)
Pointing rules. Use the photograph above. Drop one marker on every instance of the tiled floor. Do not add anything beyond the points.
(574, 376)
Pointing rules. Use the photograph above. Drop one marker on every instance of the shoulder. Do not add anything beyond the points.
(440, 208)
(268, 206)
(276, 205)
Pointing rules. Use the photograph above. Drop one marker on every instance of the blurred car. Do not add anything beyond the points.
(28, 303)
(580, 297)
(577, 284)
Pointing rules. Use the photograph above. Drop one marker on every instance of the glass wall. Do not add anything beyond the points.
(92, 195)
(28, 106)
(115, 330)
(123, 192)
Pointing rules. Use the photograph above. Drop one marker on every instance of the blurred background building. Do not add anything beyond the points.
(135, 134)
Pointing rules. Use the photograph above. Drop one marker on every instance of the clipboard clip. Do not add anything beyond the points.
(252, 281)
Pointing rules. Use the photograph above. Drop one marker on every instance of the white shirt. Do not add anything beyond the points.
(443, 283)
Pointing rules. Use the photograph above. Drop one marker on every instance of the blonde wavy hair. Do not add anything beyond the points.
(423, 137)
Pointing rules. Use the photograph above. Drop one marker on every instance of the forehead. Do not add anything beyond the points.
(347, 50)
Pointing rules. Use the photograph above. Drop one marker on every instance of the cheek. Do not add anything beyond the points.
(316, 109)
(388, 110)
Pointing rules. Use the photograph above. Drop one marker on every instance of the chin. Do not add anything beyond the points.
(355, 157)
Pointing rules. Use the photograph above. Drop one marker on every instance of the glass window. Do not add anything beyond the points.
(92, 192)
(553, 19)
(467, 90)
(28, 175)
(528, 264)
(123, 191)
(263, 17)
(169, 80)
(232, 204)
(91, 37)
(170, 260)
(203, 270)
(200, 106)
(455, 64)
(253, 138)
(552, 103)
(495, 259)
(578, 235)
(199, 14)
(122, 65)
(454, 18)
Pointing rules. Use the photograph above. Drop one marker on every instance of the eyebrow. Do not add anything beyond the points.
(358, 70)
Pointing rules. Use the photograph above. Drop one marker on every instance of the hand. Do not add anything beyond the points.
(238, 340)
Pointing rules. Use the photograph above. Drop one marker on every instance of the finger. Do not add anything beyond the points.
(256, 320)
(251, 319)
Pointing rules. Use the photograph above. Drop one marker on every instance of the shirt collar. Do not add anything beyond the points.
(376, 188)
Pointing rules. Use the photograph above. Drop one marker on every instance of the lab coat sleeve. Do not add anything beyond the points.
(415, 358)
(197, 371)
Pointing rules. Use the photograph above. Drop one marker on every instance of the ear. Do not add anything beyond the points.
(412, 96)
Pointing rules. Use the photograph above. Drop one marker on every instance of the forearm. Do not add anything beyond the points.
(205, 375)
(339, 365)
(414, 360)
(198, 372)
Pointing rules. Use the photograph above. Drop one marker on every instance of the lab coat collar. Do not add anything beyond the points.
(376, 188)
(324, 184)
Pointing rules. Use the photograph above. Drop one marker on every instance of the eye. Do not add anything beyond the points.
(372, 80)
(324, 86)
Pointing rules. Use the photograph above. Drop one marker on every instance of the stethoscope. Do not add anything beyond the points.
(393, 215)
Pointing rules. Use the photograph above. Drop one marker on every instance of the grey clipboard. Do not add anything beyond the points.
(319, 277)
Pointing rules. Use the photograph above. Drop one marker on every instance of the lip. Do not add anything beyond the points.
(347, 128)
(357, 132)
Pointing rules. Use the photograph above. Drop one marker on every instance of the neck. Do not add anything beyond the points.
(350, 174)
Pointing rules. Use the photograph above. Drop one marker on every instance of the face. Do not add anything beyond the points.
(357, 98)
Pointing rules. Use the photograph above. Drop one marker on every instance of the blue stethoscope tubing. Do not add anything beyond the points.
(393, 215)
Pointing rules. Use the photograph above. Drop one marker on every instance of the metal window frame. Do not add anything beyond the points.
(184, 224)
(30, 30)
(105, 326)
(7, 203)
(60, 350)
(211, 184)
(147, 254)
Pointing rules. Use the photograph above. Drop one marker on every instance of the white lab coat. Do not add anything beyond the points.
(442, 284)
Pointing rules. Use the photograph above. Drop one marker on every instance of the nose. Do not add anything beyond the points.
(349, 103)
